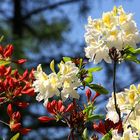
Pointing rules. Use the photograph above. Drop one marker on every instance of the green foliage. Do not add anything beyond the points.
(95, 69)
(15, 137)
(1, 38)
(89, 110)
(107, 136)
(89, 77)
(65, 59)
(130, 54)
(98, 88)
(95, 117)
(4, 62)
(85, 134)
(89, 113)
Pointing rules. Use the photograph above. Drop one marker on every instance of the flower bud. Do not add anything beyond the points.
(88, 94)
(21, 61)
(95, 96)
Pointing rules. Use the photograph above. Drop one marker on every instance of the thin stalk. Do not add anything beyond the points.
(71, 135)
(133, 108)
(4, 122)
(114, 90)
(129, 115)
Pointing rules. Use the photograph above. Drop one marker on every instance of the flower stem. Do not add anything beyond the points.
(71, 135)
(4, 122)
(114, 90)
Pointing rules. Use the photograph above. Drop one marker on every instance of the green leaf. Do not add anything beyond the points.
(137, 51)
(66, 59)
(89, 78)
(4, 62)
(98, 88)
(85, 134)
(132, 58)
(107, 136)
(1, 38)
(15, 137)
(81, 63)
(131, 50)
(94, 69)
(95, 117)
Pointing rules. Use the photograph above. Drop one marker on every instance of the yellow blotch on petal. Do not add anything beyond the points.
(131, 96)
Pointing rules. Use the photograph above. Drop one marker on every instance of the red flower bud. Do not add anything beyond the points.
(45, 119)
(17, 91)
(25, 74)
(95, 96)
(100, 128)
(9, 110)
(2, 99)
(16, 116)
(8, 51)
(88, 94)
(15, 127)
(1, 50)
(70, 107)
(21, 61)
(29, 91)
(24, 131)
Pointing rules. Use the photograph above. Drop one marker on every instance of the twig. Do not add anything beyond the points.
(4, 122)
(114, 90)
(52, 6)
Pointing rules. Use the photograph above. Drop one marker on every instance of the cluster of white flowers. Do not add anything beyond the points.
(115, 29)
(63, 84)
(129, 103)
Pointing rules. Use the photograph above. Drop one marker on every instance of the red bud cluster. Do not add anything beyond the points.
(14, 123)
(13, 86)
(6, 52)
(89, 93)
(105, 127)
(56, 108)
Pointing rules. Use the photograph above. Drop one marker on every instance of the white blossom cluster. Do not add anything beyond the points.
(129, 103)
(63, 84)
(115, 29)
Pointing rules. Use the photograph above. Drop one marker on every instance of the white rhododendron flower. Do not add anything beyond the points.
(46, 85)
(38, 84)
(136, 123)
(63, 84)
(126, 100)
(68, 75)
(115, 29)
(67, 70)
(127, 135)
(113, 116)
(69, 88)
(129, 103)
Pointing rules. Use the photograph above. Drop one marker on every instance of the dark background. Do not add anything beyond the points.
(42, 30)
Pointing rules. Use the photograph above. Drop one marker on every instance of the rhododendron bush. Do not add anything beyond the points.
(113, 38)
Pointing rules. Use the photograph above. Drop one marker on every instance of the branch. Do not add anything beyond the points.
(48, 7)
